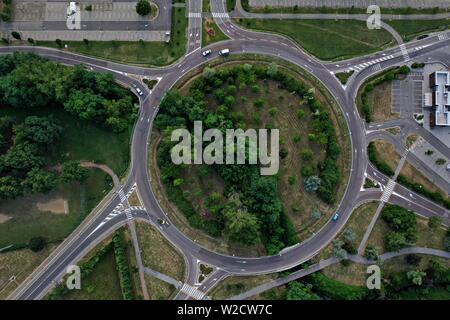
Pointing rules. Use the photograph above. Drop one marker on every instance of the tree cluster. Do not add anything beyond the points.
(29, 81)
(403, 224)
(23, 156)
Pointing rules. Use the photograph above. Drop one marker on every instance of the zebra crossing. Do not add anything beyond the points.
(443, 36)
(220, 15)
(137, 208)
(192, 292)
(122, 195)
(388, 191)
(116, 211)
(131, 190)
(404, 52)
(128, 214)
(364, 65)
(194, 15)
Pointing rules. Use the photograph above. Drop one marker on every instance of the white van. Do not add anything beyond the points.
(224, 52)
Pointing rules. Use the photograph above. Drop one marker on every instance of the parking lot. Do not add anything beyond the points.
(104, 20)
(407, 95)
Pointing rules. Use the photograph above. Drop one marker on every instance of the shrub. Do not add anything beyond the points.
(37, 244)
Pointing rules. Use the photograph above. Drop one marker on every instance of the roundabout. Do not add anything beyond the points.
(95, 227)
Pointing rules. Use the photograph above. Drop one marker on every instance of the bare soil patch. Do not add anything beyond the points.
(58, 206)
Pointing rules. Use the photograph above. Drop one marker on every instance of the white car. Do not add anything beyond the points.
(224, 52)
(448, 167)
(139, 91)
(206, 53)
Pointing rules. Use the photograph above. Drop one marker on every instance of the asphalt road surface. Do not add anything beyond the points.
(242, 41)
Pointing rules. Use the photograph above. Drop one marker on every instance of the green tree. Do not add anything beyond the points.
(39, 180)
(208, 72)
(143, 7)
(348, 235)
(337, 249)
(37, 244)
(9, 188)
(394, 241)
(15, 35)
(434, 222)
(416, 276)
(241, 226)
(300, 291)
(371, 253)
(306, 154)
(22, 156)
(72, 171)
(272, 69)
(316, 215)
(40, 130)
(312, 183)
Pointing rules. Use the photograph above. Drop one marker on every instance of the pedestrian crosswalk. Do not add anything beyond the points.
(388, 191)
(128, 214)
(443, 36)
(404, 52)
(122, 195)
(137, 208)
(220, 15)
(131, 190)
(116, 211)
(364, 65)
(193, 292)
(194, 15)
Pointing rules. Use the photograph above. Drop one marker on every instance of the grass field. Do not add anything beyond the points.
(387, 153)
(354, 274)
(415, 176)
(216, 34)
(158, 289)
(427, 237)
(380, 101)
(80, 140)
(326, 39)
(409, 29)
(19, 263)
(157, 253)
(235, 285)
(139, 53)
(101, 284)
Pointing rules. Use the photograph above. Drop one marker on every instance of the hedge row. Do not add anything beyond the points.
(417, 187)
(123, 268)
(377, 162)
(5, 14)
(336, 290)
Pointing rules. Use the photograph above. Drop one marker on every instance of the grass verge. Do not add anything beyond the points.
(326, 39)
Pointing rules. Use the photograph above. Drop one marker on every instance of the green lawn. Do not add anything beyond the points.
(101, 284)
(207, 39)
(80, 140)
(326, 39)
(409, 29)
(139, 53)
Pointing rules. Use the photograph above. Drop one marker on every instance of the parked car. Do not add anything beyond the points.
(206, 53)
(422, 37)
(335, 217)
